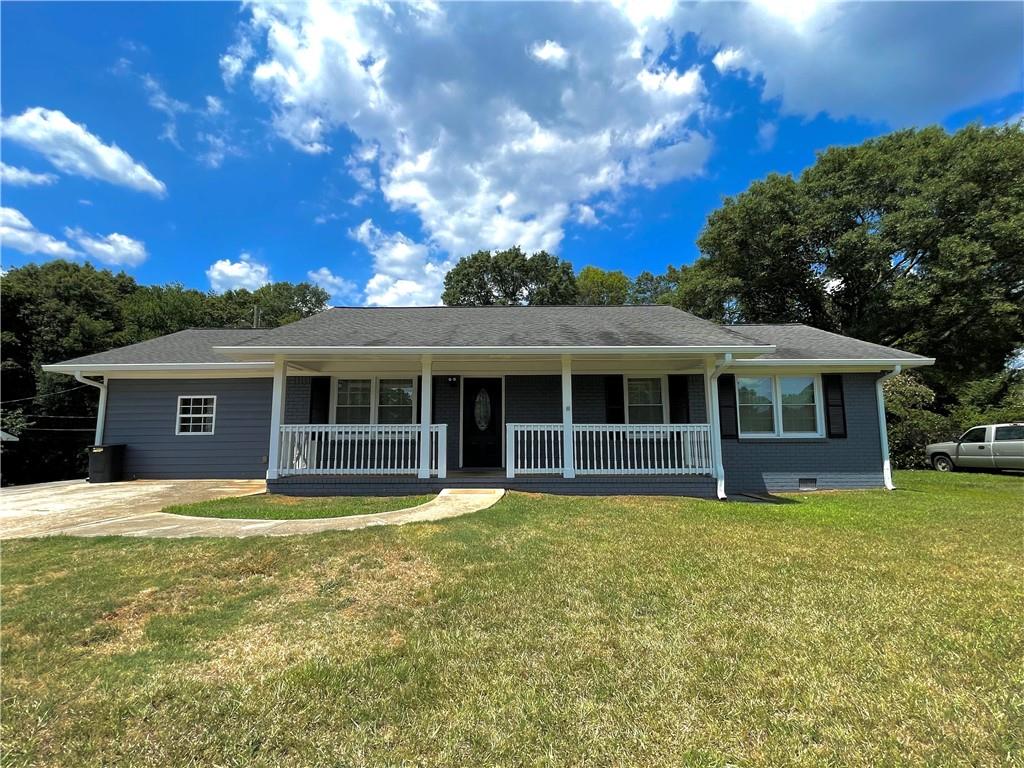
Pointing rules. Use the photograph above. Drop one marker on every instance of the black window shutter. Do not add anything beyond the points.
(835, 407)
(614, 404)
(727, 406)
(419, 391)
(320, 400)
(678, 400)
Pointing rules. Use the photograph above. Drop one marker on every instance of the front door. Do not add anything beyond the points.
(481, 423)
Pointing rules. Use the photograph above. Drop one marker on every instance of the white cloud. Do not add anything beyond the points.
(898, 63)
(17, 232)
(214, 106)
(73, 150)
(729, 59)
(22, 177)
(485, 156)
(170, 107)
(114, 249)
(342, 291)
(227, 275)
(406, 273)
(550, 52)
(586, 215)
(766, 133)
(233, 63)
(218, 147)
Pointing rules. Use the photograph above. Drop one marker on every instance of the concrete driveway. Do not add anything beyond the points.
(80, 508)
(76, 508)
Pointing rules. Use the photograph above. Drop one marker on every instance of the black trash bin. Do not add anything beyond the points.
(106, 463)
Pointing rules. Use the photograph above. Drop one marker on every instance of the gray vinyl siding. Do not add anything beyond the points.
(698, 408)
(296, 400)
(447, 410)
(851, 462)
(533, 399)
(142, 413)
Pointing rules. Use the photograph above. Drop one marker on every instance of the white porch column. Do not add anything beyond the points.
(883, 428)
(276, 417)
(568, 458)
(711, 373)
(426, 400)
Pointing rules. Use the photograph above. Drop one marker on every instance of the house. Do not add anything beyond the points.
(581, 399)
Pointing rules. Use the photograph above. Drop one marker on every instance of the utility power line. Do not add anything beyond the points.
(39, 397)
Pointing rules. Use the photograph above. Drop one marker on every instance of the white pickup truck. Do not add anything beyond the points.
(991, 446)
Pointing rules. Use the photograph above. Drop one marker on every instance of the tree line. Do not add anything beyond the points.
(61, 310)
(913, 240)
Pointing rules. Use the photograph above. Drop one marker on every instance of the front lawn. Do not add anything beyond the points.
(845, 629)
(269, 506)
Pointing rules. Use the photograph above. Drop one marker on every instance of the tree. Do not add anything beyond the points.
(510, 277)
(649, 288)
(599, 286)
(61, 310)
(914, 240)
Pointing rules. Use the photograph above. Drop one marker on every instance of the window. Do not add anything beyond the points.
(779, 406)
(755, 399)
(196, 414)
(375, 401)
(396, 402)
(353, 405)
(1016, 432)
(976, 435)
(645, 402)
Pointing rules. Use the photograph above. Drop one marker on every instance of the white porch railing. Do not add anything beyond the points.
(611, 449)
(359, 449)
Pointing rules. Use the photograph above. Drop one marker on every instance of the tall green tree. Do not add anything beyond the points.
(914, 239)
(61, 310)
(599, 286)
(488, 278)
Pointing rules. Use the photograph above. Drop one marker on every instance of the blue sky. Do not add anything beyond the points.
(366, 147)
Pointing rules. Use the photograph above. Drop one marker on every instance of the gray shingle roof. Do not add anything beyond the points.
(795, 341)
(496, 327)
(582, 326)
(194, 345)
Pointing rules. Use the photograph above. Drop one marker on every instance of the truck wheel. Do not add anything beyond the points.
(943, 463)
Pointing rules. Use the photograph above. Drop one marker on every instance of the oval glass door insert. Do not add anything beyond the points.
(482, 410)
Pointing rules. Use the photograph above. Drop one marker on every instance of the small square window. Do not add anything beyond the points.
(196, 414)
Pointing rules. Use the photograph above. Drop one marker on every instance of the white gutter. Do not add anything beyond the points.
(101, 413)
(883, 429)
(818, 362)
(716, 427)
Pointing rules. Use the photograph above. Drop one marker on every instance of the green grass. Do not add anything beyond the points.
(844, 629)
(274, 507)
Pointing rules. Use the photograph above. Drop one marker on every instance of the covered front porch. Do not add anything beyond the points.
(360, 424)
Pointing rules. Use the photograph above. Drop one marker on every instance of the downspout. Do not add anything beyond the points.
(716, 427)
(101, 412)
(883, 429)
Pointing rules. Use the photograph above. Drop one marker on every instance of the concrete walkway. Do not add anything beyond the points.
(76, 508)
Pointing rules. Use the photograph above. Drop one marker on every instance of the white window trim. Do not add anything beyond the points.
(374, 393)
(178, 415)
(778, 434)
(663, 378)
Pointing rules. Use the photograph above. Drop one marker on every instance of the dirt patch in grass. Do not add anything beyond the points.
(338, 601)
(123, 629)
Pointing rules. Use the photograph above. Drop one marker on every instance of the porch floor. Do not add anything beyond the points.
(700, 486)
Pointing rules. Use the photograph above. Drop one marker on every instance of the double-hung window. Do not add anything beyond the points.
(196, 414)
(354, 404)
(779, 406)
(645, 400)
(375, 401)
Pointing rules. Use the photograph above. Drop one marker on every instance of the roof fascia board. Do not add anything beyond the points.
(100, 368)
(825, 362)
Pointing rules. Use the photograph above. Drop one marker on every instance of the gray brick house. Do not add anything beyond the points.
(631, 399)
